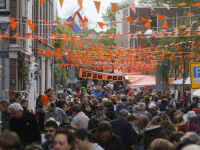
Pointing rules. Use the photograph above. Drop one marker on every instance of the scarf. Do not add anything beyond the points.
(135, 128)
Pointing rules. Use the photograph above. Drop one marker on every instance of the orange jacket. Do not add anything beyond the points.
(45, 99)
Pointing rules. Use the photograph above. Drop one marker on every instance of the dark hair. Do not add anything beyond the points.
(82, 134)
(39, 97)
(124, 98)
(48, 90)
(51, 123)
(163, 116)
(71, 104)
(76, 108)
(171, 114)
(109, 105)
(146, 98)
(195, 98)
(5, 103)
(40, 106)
(86, 105)
(172, 95)
(71, 127)
(9, 141)
(100, 99)
(183, 110)
(68, 92)
(175, 136)
(132, 118)
(69, 136)
(164, 96)
(24, 101)
(104, 126)
(52, 105)
(118, 92)
(17, 94)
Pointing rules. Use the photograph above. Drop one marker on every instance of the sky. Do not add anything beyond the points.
(88, 7)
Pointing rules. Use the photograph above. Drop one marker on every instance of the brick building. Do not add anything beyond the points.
(15, 69)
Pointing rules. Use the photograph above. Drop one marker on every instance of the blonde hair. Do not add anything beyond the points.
(154, 121)
(161, 144)
(190, 136)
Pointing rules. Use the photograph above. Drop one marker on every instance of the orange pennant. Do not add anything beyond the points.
(114, 7)
(80, 2)
(22, 39)
(160, 17)
(97, 4)
(16, 35)
(42, 2)
(43, 41)
(165, 24)
(101, 24)
(32, 27)
(48, 25)
(129, 19)
(148, 24)
(135, 35)
(182, 4)
(183, 27)
(58, 22)
(85, 19)
(133, 8)
(117, 36)
(173, 54)
(143, 19)
(14, 25)
(190, 14)
(52, 44)
(197, 4)
(61, 3)
(83, 25)
(28, 35)
(28, 22)
(12, 20)
(191, 54)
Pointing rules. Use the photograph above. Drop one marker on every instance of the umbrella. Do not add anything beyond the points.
(196, 93)
(180, 82)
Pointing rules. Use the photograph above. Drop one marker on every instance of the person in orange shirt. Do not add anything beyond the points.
(45, 97)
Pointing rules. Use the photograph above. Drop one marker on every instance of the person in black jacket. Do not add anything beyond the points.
(88, 111)
(111, 114)
(100, 116)
(194, 104)
(25, 125)
(152, 109)
(104, 136)
(40, 114)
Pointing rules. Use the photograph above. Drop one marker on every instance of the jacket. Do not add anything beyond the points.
(112, 143)
(26, 127)
(45, 146)
(190, 107)
(152, 133)
(143, 121)
(58, 114)
(96, 93)
(147, 114)
(192, 127)
(163, 105)
(168, 127)
(197, 120)
(80, 120)
(153, 112)
(93, 122)
(40, 120)
(124, 130)
(97, 147)
(89, 114)
(111, 114)
(120, 106)
(5, 120)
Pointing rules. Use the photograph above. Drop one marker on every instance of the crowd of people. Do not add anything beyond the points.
(99, 118)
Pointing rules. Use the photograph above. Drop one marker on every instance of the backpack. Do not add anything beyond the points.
(178, 104)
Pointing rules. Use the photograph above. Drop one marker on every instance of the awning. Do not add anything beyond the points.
(180, 82)
(142, 80)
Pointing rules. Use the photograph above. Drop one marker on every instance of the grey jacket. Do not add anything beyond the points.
(5, 120)
(80, 120)
(58, 114)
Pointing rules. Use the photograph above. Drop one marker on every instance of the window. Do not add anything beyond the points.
(2, 4)
(154, 23)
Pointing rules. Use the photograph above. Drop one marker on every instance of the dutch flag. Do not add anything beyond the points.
(77, 22)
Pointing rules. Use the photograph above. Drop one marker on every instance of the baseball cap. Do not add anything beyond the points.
(99, 106)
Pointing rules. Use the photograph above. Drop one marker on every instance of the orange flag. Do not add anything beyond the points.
(191, 54)
(148, 24)
(22, 39)
(114, 7)
(58, 22)
(190, 14)
(85, 19)
(52, 44)
(133, 8)
(135, 35)
(83, 25)
(173, 54)
(61, 3)
(28, 35)
(28, 21)
(48, 25)
(160, 17)
(143, 19)
(182, 4)
(43, 41)
(183, 27)
(197, 4)
(14, 25)
(97, 4)
(170, 58)
(12, 20)
(80, 2)
(165, 24)
(129, 19)
(16, 35)
(42, 2)
(117, 36)
(101, 24)
(32, 26)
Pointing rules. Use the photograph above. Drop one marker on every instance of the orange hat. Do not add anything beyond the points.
(75, 98)
(90, 89)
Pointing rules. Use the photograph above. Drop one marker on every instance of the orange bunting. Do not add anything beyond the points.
(12, 20)
(48, 25)
(183, 27)
(80, 2)
(135, 21)
(16, 35)
(191, 54)
(43, 41)
(14, 25)
(101, 24)
(28, 35)
(133, 8)
(61, 3)
(197, 4)
(182, 4)
(135, 35)
(160, 17)
(52, 44)
(173, 54)
(117, 36)
(58, 22)
(165, 24)
(114, 7)
(22, 39)
(32, 27)
(28, 22)
(170, 58)
(44, 21)
(97, 5)
(129, 19)
(143, 19)
(85, 19)
(148, 24)
(83, 25)
(190, 14)
(42, 2)
(149, 6)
